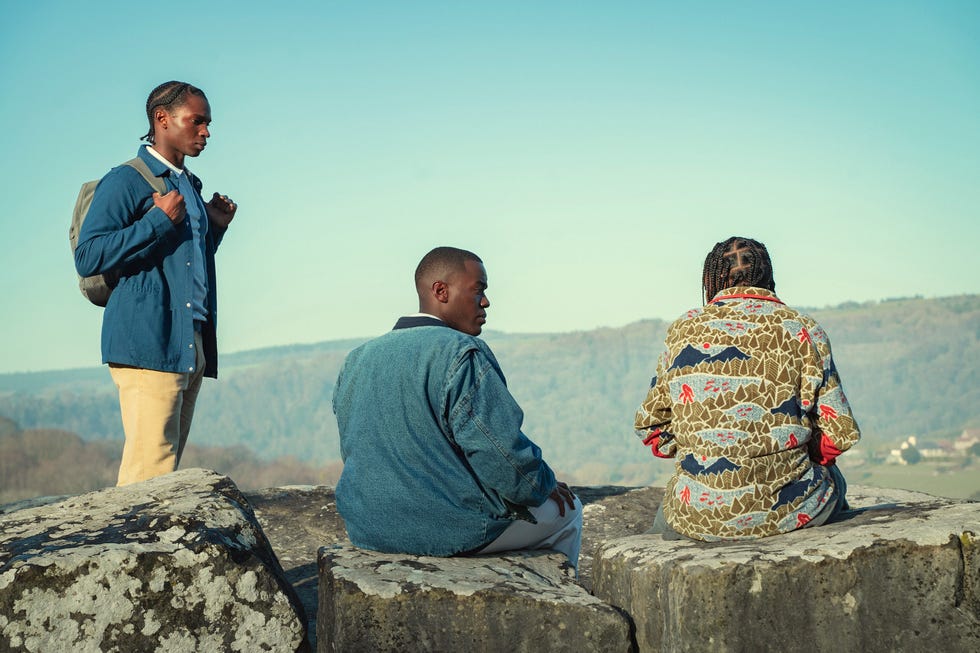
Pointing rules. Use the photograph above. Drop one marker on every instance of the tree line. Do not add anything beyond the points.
(53, 462)
(909, 367)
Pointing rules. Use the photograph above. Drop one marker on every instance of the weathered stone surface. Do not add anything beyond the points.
(35, 502)
(177, 563)
(516, 602)
(610, 512)
(298, 520)
(901, 574)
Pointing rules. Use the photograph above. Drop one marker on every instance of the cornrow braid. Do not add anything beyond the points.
(737, 262)
(169, 96)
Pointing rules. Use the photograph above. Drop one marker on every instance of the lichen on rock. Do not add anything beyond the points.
(175, 563)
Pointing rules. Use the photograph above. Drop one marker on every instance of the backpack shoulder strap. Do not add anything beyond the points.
(156, 183)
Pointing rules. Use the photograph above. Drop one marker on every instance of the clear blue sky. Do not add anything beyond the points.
(590, 152)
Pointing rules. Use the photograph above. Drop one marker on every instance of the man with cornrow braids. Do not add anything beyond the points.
(159, 326)
(748, 401)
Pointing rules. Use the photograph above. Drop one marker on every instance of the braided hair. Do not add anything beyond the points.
(169, 96)
(737, 262)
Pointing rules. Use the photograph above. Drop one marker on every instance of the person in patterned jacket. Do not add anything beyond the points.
(748, 401)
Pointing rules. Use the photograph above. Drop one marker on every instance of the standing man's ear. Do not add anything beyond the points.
(440, 290)
(160, 118)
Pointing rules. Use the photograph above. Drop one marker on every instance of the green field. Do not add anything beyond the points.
(959, 480)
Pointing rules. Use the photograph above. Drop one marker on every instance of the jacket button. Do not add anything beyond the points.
(190, 369)
(188, 304)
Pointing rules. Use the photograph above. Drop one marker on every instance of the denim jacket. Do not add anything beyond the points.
(435, 462)
(148, 321)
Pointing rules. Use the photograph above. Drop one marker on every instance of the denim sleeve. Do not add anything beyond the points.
(485, 423)
(116, 232)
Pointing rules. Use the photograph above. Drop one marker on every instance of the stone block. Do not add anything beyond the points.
(298, 520)
(527, 601)
(900, 573)
(175, 563)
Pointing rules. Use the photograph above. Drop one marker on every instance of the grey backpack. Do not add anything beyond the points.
(97, 288)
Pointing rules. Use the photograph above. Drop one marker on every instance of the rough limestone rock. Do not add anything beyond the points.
(516, 602)
(147, 567)
(902, 573)
(298, 520)
(610, 512)
(176, 563)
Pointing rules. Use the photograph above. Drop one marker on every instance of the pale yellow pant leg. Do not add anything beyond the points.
(157, 409)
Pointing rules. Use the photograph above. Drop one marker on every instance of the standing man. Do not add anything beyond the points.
(159, 326)
(435, 462)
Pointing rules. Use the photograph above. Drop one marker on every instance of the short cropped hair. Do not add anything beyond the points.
(442, 262)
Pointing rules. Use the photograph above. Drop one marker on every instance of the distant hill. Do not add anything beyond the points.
(44, 462)
(909, 367)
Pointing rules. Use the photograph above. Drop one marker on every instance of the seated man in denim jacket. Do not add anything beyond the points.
(435, 462)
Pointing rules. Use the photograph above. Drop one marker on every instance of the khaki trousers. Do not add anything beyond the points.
(157, 409)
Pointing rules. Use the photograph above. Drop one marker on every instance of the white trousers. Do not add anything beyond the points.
(553, 531)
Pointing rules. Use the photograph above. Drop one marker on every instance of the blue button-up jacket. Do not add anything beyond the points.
(148, 321)
(435, 462)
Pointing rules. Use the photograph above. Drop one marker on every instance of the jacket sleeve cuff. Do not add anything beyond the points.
(653, 441)
(828, 452)
(160, 221)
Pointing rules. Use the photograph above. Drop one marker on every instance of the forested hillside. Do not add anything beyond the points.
(44, 462)
(909, 366)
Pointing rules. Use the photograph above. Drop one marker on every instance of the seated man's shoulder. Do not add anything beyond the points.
(455, 345)
(458, 345)
(436, 338)
(798, 315)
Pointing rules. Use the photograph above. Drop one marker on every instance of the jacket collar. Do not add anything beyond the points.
(156, 166)
(161, 169)
(410, 321)
(745, 292)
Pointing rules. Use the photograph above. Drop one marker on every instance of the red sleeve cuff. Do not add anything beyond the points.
(653, 441)
(828, 452)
